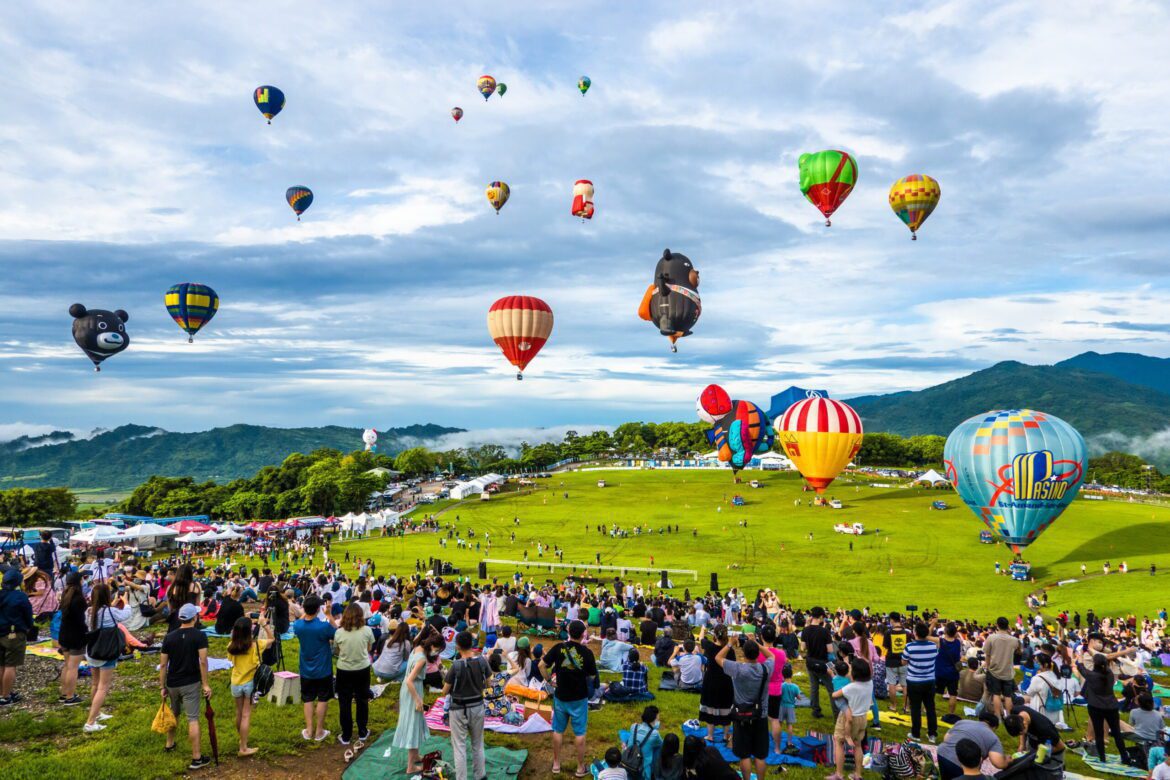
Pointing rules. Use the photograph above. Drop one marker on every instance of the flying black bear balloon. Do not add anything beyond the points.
(672, 302)
(99, 333)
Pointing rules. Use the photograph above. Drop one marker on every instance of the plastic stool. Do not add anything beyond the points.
(286, 688)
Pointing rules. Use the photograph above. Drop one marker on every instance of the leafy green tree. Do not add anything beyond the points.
(36, 506)
(415, 461)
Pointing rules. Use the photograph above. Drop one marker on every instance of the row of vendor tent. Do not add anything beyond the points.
(210, 536)
(293, 524)
(368, 521)
(475, 486)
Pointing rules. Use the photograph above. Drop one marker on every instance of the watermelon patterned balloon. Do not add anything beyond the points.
(913, 198)
(826, 179)
(1016, 469)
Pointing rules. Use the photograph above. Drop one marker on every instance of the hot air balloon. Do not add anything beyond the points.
(497, 194)
(486, 86)
(99, 333)
(370, 437)
(672, 302)
(583, 199)
(820, 436)
(520, 325)
(457, 114)
(300, 198)
(913, 198)
(739, 429)
(191, 306)
(826, 179)
(583, 84)
(1016, 469)
(269, 100)
(501, 88)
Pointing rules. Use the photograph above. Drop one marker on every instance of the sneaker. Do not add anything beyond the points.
(90, 728)
(72, 701)
(875, 727)
(4, 702)
(102, 716)
(364, 737)
(932, 738)
(198, 763)
(342, 740)
(14, 698)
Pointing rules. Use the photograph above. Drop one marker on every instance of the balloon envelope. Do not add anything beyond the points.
(269, 100)
(583, 84)
(370, 437)
(520, 325)
(820, 436)
(501, 88)
(457, 113)
(672, 303)
(583, 199)
(739, 430)
(913, 198)
(486, 86)
(99, 333)
(299, 198)
(498, 193)
(1017, 470)
(827, 178)
(191, 306)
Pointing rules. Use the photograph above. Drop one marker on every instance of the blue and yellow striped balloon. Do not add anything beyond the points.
(191, 306)
(299, 198)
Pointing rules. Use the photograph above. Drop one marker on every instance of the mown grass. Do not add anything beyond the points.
(935, 558)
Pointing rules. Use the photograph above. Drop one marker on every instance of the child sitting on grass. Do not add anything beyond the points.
(613, 766)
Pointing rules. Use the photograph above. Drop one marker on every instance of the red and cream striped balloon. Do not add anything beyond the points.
(520, 325)
(820, 436)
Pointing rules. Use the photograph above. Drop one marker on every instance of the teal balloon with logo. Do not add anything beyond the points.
(1016, 469)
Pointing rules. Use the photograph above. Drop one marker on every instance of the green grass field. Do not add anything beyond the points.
(924, 557)
(929, 558)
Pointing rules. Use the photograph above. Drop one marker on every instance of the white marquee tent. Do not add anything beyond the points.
(475, 486)
(932, 476)
(99, 533)
(148, 536)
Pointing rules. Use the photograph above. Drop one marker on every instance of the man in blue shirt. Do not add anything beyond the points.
(316, 639)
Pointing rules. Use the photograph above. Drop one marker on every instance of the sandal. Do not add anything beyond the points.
(169, 749)
(579, 773)
(556, 770)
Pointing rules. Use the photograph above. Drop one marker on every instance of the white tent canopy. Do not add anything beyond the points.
(149, 535)
(932, 476)
(231, 535)
(475, 486)
(99, 533)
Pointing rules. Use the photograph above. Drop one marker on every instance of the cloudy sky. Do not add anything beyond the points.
(131, 158)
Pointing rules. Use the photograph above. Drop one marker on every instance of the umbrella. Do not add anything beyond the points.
(212, 737)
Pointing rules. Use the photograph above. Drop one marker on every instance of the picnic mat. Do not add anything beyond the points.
(693, 728)
(1112, 766)
(44, 650)
(899, 719)
(380, 761)
(534, 725)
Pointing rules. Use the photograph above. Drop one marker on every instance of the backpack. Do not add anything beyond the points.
(1054, 701)
(262, 678)
(908, 760)
(632, 758)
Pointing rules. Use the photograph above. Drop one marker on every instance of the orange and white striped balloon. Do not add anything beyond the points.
(520, 325)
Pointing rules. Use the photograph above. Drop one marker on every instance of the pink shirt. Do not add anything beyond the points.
(781, 658)
(873, 652)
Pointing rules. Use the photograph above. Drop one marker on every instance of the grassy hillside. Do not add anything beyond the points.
(123, 458)
(1092, 402)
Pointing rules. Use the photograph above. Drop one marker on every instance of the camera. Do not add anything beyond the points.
(1066, 672)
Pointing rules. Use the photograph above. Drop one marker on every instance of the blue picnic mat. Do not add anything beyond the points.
(1113, 766)
(803, 744)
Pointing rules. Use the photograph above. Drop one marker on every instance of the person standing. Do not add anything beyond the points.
(947, 666)
(102, 614)
(775, 683)
(353, 641)
(71, 638)
(465, 683)
(1001, 649)
(16, 620)
(316, 667)
(412, 725)
(749, 680)
(182, 677)
(45, 554)
(816, 640)
(920, 656)
(1098, 682)
(244, 652)
(894, 642)
(716, 696)
(574, 667)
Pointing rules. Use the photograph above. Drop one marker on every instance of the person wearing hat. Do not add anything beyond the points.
(182, 677)
(16, 620)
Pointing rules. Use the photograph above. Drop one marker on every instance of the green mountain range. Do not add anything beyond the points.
(123, 458)
(1124, 395)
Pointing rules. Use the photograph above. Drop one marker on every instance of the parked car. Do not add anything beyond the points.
(856, 529)
(601, 483)
(737, 500)
(754, 483)
(836, 504)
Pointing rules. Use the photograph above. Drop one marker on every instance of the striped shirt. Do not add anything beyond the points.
(920, 656)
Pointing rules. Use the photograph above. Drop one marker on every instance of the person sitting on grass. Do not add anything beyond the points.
(634, 674)
(613, 652)
(664, 648)
(613, 767)
(645, 736)
(687, 663)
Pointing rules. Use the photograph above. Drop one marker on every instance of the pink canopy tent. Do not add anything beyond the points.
(190, 526)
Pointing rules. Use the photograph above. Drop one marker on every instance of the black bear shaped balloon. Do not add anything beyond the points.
(672, 303)
(99, 333)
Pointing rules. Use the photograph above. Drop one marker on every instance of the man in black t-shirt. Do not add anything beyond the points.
(647, 632)
(816, 640)
(182, 676)
(574, 666)
(1034, 729)
(894, 641)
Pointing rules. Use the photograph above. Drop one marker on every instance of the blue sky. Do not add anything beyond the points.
(132, 158)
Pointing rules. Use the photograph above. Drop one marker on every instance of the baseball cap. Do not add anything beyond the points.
(188, 612)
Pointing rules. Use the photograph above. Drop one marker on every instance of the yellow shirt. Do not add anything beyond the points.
(244, 666)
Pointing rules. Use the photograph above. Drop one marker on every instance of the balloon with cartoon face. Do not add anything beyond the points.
(99, 333)
(672, 301)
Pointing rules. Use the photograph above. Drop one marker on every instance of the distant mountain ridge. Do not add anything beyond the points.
(1094, 401)
(1137, 369)
(122, 458)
